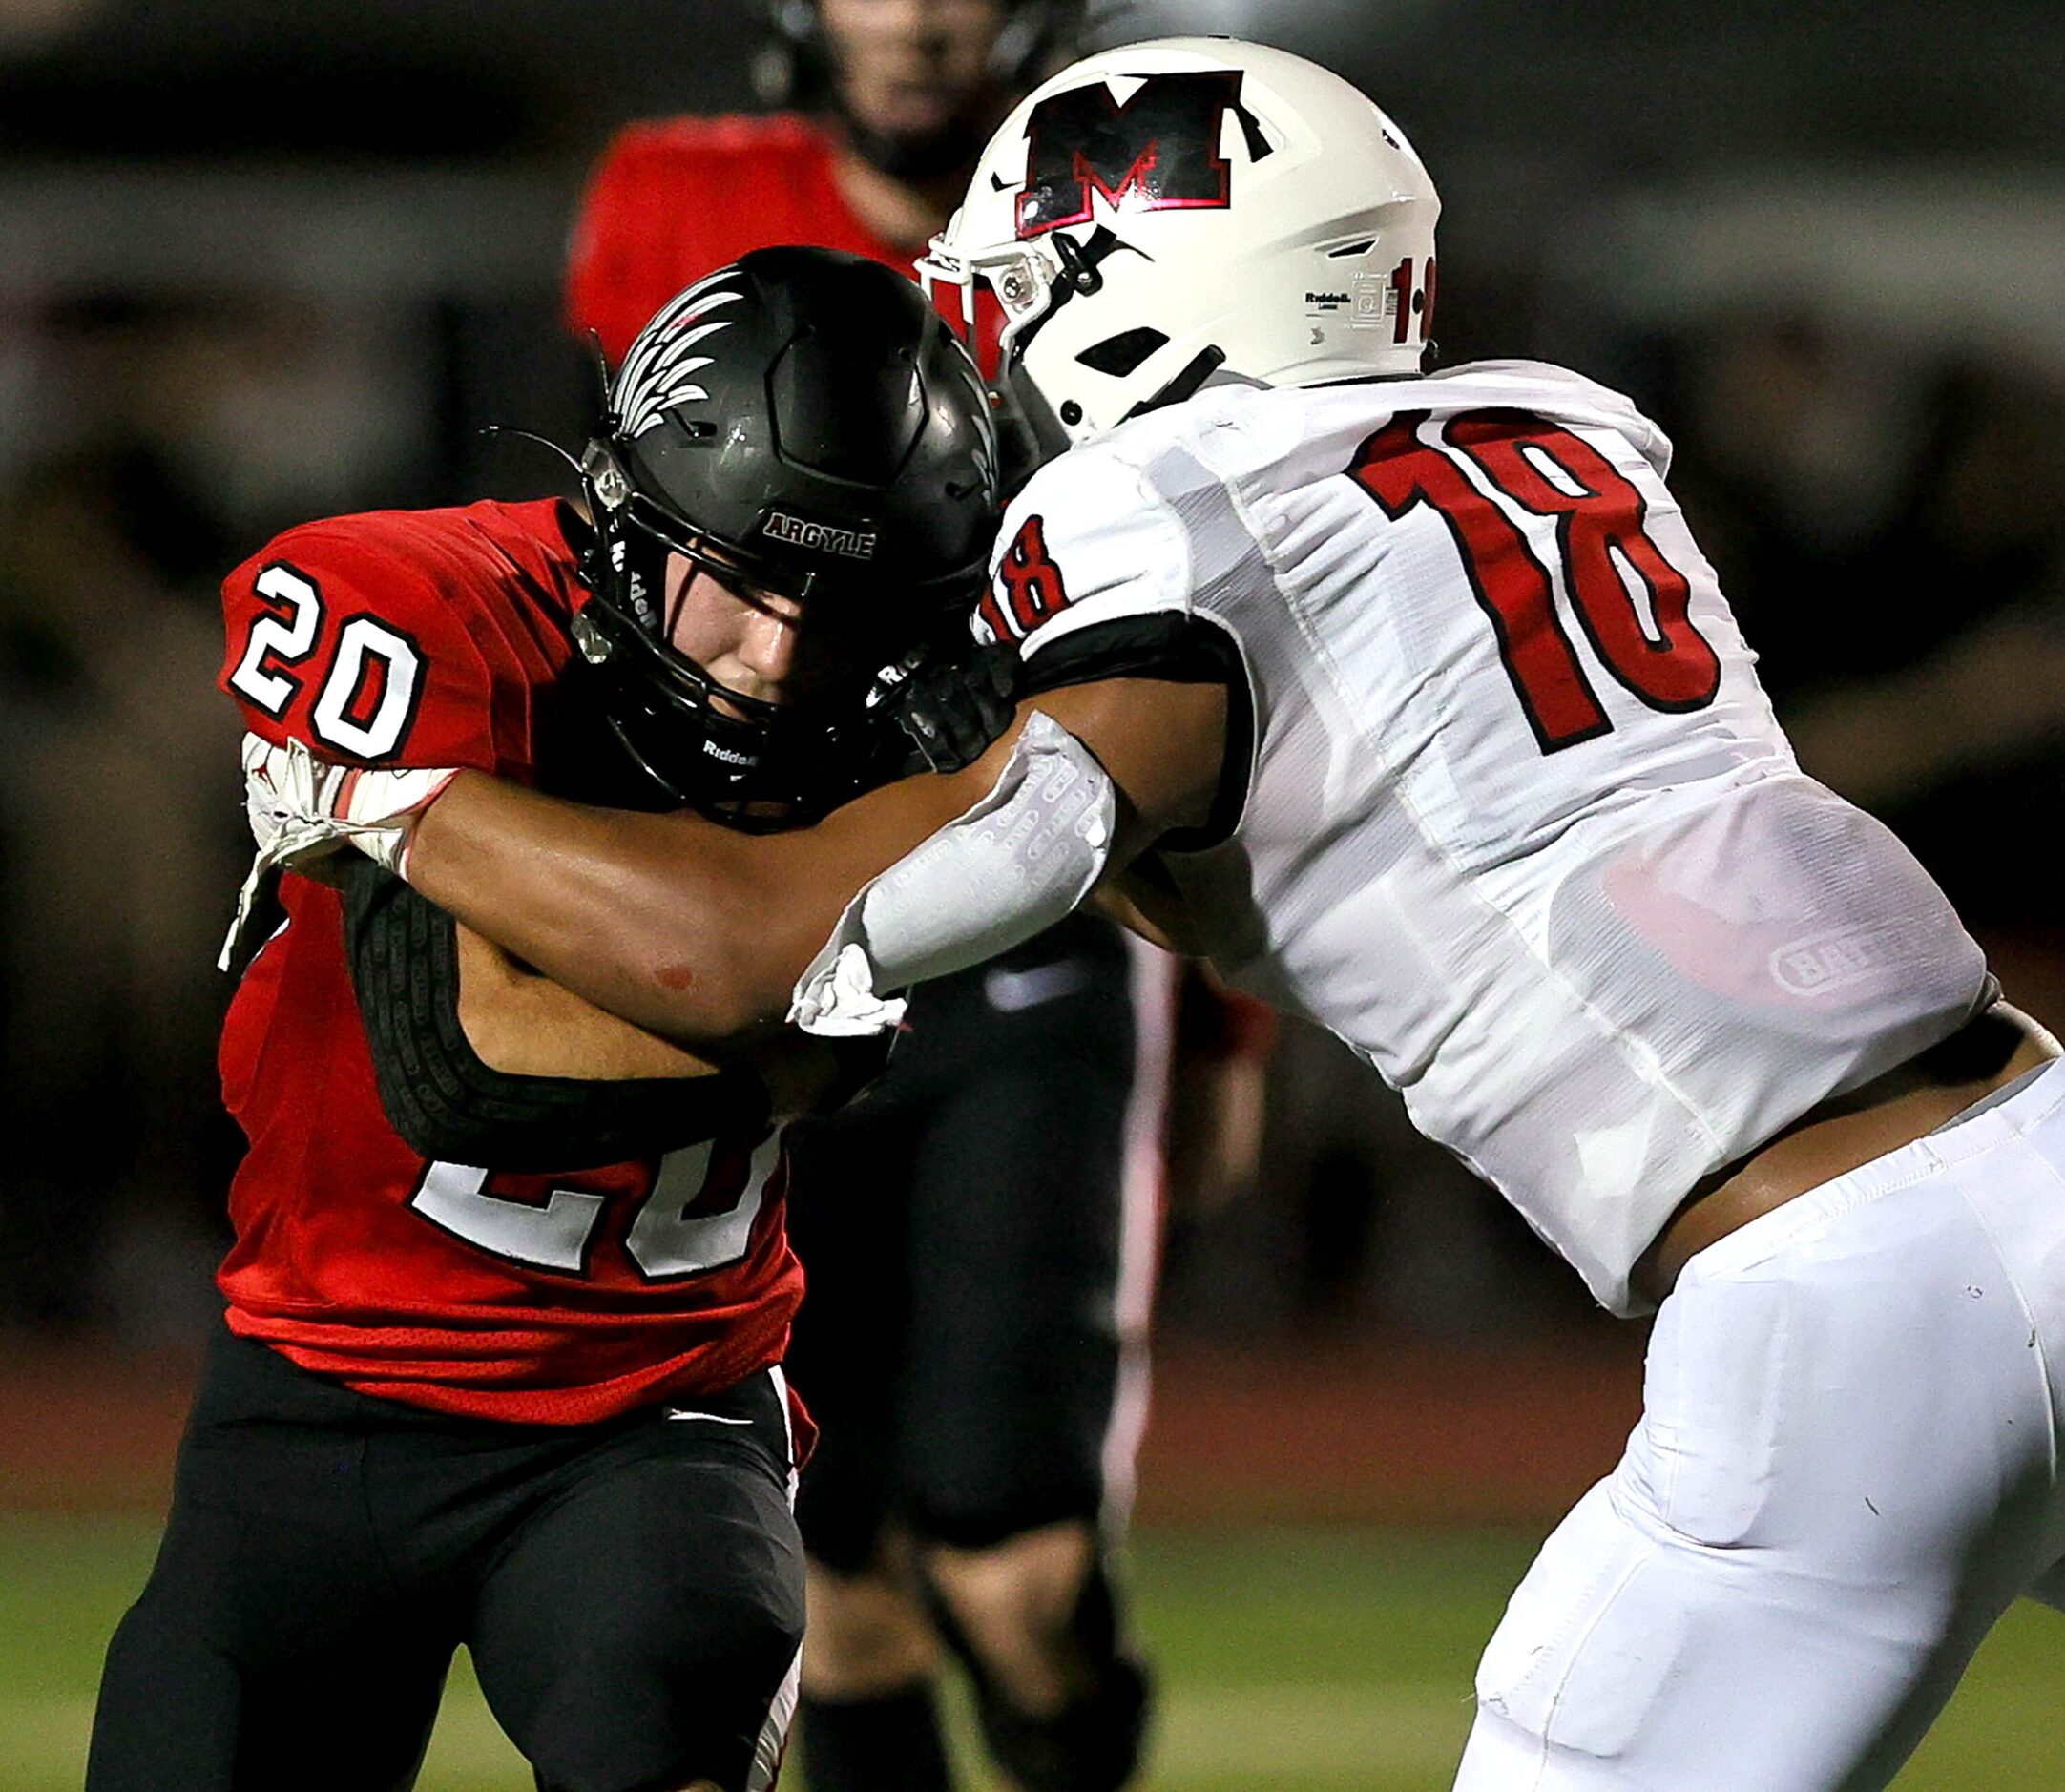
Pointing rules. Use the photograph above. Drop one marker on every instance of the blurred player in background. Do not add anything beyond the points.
(511, 1287)
(980, 1234)
(1410, 699)
(887, 103)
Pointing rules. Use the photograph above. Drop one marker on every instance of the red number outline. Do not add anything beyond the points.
(1031, 584)
(1605, 516)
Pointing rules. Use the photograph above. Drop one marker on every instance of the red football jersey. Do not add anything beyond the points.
(437, 637)
(673, 199)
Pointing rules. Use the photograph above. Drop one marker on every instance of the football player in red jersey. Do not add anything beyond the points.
(892, 99)
(975, 1340)
(510, 1286)
(1486, 781)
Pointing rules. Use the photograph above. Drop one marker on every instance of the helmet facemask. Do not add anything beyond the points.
(799, 428)
(753, 763)
(998, 301)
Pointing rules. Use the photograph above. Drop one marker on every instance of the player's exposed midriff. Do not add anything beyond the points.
(1844, 1131)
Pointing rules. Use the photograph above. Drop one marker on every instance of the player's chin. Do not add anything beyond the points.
(914, 109)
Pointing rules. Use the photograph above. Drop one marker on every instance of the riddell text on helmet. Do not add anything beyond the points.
(855, 544)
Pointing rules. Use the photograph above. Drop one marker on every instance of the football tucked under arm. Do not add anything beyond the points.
(430, 1004)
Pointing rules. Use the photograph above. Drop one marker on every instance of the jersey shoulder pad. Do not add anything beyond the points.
(1542, 389)
(1087, 541)
(407, 637)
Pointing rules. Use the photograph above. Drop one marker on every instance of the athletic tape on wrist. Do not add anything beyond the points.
(301, 807)
(1012, 866)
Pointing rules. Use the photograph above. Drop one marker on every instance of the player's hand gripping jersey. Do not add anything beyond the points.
(1519, 825)
(559, 1294)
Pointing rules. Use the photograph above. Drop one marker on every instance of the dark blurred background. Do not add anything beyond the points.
(262, 263)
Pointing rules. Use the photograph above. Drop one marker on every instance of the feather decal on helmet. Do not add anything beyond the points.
(655, 377)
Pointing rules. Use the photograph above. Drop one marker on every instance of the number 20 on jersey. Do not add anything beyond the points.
(369, 678)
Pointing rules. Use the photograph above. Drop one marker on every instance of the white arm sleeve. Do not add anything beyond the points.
(1012, 866)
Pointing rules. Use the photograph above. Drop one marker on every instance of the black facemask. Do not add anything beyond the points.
(802, 426)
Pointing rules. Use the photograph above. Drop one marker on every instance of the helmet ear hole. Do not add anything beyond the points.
(1121, 354)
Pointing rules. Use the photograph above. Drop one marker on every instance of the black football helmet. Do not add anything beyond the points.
(799, 422)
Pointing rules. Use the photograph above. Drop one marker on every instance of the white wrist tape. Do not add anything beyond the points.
(1014, 865)
(301, 807)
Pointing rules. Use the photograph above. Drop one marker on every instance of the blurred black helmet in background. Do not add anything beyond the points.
(802, 423)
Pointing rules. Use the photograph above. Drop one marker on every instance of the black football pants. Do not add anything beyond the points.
(631, 1592)
(961, 1227)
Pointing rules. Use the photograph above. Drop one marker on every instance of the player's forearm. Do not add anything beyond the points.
(700, 932)
(670, 921)
(650, 917)
(520, 1023)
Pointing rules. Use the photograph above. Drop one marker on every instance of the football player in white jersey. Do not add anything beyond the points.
(1410, 701)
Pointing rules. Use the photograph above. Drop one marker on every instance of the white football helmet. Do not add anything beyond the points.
(1165, 211)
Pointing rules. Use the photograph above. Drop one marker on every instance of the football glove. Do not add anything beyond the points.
(953, 709)
(301, 808)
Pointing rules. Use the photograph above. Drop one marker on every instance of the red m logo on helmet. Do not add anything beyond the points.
(1157, 152)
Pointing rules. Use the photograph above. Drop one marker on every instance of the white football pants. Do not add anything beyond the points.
(1846, 1467)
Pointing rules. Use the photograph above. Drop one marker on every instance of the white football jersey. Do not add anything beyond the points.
(1519, 825)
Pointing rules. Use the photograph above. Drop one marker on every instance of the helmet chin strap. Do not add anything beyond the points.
(1188, 378)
